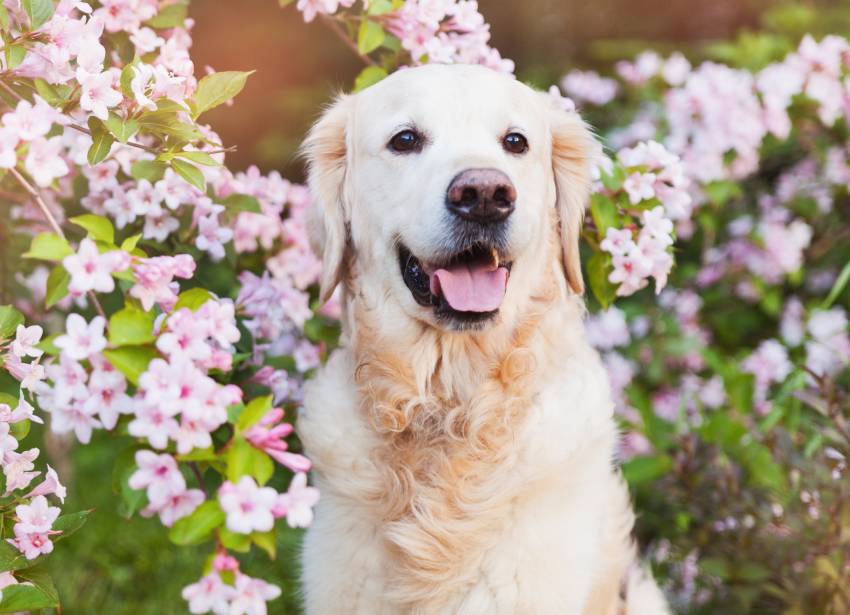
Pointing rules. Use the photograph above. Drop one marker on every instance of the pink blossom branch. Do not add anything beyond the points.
(52, 222)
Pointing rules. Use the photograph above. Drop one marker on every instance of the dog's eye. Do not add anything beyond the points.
(515, 143)
(406, 141)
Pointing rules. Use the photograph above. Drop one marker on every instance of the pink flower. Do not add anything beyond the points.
(247, 505)
(210, 593)
(311, 8)
(18, 469)
(29, 374)
(176, 506)
(268, 435)
(154, 279)
(212, 237)
(25, 340)
(8, 148)
(250, 595)
(33, 529)
(8, 443)
(30, 121)
(22, 412)
(32, 544)
(91, 270)
(297, 503)
(50, 486)
(617, 242)
(640, 187)
(98, 93)
(82, 339)
(44, 162)
(158, 474)
(77, 416)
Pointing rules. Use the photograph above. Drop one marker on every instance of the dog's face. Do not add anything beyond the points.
(442, 181)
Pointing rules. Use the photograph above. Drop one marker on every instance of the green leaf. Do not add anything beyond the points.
(266, 541)
(131, 326)
(127, 75)
(120, 128)
(148, 169)
(380, 7)
(190, 173)
(70, 523)
(124, 466)
(102, 141)
(241, 202)
(40, 578)
(192, 298)
(20, 429)
(245, 460)
(168, 123)
(98, 227)
(48, 92)
(25, 598)
(254, 411)
(598, 269)
(12, 559)
(199, 158)
(39, 11)
(57, 286)
(241, 543)
(131, 360)
(837, 288)
(198, 526)
(4, 17)
(48, 247)
(370, 36)
(199, 454)
(10, 318)
(15, 54)
(644, 469)
(129, 244)
(217, 88)
(604, 212)
(171, 16)
(369, 76)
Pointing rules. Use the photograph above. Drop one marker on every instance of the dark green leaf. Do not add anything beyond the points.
(192, 298)
(70, 523)
(48, 247)
(131, 326)
(598, 269)
(369, 36)
(245, 460)
(217, 88)
(604, 212)
(171, 16)
(98, 227)
(131, 360)
(241, 202)
(190, 173)
(39, 11)
(369, 76)
(57, 286)
(102, 141)
(643, 469)
(10, 318)
(198, 526)
(25, 598)
(121, 129)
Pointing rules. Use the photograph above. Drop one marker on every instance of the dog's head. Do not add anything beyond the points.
(440, 182)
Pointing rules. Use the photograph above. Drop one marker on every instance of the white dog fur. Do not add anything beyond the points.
(461, 471)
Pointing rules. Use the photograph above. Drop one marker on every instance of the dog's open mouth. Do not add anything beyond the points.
(469, 286)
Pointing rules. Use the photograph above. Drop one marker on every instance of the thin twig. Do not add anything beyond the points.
(197, 472)
(333, 24)
(152, 150)
(6, 87)
(53, 223)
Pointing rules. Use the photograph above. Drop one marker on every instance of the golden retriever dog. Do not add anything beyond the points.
(462, 435)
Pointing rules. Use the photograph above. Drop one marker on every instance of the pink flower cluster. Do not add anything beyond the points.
(252, 508)
(34, 517)
(589, 87)
(446, 31)
(155, 279)
(165, 486)
(211, 594)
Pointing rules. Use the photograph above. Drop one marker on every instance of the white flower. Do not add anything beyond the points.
(98, 93)
(43, 161)
(25, 340)
(248, 506)
(82, 339)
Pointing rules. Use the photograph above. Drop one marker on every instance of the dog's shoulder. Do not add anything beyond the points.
(330, 424)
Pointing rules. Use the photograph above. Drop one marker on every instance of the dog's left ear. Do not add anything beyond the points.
(326, 149)
(573, 150)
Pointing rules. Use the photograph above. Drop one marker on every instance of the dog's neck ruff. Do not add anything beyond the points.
(445, 408)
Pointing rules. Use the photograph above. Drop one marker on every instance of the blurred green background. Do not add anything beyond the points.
(120, 567)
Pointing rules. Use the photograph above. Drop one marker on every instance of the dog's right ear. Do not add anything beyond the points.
(326, 149)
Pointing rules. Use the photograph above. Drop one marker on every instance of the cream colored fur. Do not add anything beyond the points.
(461, 472)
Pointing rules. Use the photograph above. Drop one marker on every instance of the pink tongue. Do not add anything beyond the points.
(471, 287)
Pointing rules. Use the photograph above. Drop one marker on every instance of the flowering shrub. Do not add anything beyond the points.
(189, 312)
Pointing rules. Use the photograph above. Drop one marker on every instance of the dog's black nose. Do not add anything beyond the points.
(481, 195)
